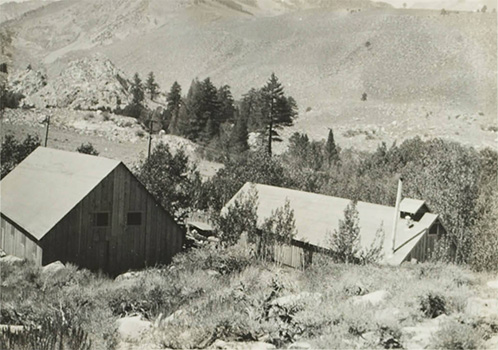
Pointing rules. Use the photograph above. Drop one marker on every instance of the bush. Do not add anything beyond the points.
(455, 335)
(432, 305)
(9, 99)
(87, 148)
(13, 152)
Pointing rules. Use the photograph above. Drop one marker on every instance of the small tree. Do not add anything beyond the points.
(345, 242)
(484, 9)
(13, 152)
(364, 96)
(87, 148)
(278, 229)
(238, 218)
(151, 86)
(172, 179)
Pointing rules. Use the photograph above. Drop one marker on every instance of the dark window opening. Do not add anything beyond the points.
(134, 219)
(101, 219)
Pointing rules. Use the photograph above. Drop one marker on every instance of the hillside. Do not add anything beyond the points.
(412, 64)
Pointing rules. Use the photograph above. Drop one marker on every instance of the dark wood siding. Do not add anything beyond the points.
(117, 247)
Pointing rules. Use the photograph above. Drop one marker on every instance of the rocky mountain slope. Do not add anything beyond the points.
(90, 83)
(409, 63)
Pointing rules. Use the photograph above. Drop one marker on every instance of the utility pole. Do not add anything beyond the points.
(151, 123)
(47, 120)
(270, 131)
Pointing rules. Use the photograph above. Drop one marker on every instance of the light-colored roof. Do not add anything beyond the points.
(318, 215)
(410, 205)
(43, 188)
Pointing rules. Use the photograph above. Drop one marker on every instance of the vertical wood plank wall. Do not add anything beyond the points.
(15, 242)
(117, 247)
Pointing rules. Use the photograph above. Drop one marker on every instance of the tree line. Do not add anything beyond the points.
(210, 116)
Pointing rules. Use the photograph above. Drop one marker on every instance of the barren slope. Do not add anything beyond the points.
(410, 63)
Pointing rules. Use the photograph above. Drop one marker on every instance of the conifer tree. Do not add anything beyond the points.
(239, 136)
(278, 109)
(331, 153)
(151, 86)
(174, 101)
(137, 90)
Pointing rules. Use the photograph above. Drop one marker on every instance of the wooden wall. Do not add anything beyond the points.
(14, 241)
(117, 247)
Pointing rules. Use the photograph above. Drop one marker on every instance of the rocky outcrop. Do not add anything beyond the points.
(90, 83)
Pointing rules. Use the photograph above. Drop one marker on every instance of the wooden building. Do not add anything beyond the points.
(83, 209)
(317, 216)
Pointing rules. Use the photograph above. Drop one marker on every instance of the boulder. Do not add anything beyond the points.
(300, 345)
(374, 298)
(419, 336)
(293, 299)
(493, 284)
(11, 259)
(52, 268)
(491, 343)
(131, 328)
(485, 308)
(2, 253)
(232, 345)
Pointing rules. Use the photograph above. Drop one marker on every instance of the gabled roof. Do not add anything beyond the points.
(44, 187)
(410, 205)
(318, 215)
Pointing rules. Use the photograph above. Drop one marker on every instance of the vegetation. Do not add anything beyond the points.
(224, 293)
(151, 86)
(171, 178)
(457, 182)
(13, 152)
(87, 148)
(8, 98)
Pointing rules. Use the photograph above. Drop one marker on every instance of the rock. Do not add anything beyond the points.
(52, 268)
(11, 259)
(485, 308)
(374, 298)
(213, 239)
(491, 343)
(493, 284)
(131, 328)
(419, 336)
(2, 253)
(212, 273)
(300, 345)
(173, 316)
(293, 299)
(127, 276)
(220, 344)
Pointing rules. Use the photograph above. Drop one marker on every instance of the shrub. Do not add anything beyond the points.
(432, 305)
(457, 335)
(13, 152)
(87, 148)
(9, 99)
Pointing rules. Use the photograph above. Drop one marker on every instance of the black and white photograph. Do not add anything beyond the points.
(248, 174)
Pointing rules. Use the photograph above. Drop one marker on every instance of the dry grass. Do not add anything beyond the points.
(208, 294)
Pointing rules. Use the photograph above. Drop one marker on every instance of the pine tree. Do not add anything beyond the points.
(331, 153)
(151, 86)
(239, 136)
(137, 90)
(278, 110)
(226, 104)
(174, 101)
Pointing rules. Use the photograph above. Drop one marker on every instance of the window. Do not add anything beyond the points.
(100, 219)
(134, 219)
